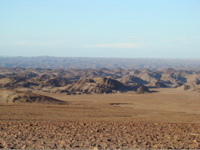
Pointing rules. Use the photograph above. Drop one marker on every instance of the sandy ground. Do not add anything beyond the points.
(169, 118)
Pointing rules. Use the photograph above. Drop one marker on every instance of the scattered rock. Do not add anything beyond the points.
(117, 135)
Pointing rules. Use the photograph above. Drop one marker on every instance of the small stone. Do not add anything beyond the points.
(195, 141)
(155, 146)
(62, 142)
(24, 146)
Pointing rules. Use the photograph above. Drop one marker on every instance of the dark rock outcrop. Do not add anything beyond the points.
(142, 89)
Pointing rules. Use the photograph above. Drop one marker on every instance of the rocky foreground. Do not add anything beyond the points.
(98, 135)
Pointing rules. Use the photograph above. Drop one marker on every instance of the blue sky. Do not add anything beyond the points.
(100, 28)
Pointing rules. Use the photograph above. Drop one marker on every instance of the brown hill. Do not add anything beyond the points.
(98, 86)
(13, 96)
(190, 87)
(130, 79)
(87, 86)
(111, 83)
(142, 89)
(104, 80)
(159, 84)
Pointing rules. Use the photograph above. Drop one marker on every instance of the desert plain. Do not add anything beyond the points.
(168, 118)
(102, 108)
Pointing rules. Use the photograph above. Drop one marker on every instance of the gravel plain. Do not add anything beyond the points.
(99, 135)
(169, 119)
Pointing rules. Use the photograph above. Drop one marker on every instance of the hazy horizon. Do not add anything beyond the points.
(165, 58)
(103, 29)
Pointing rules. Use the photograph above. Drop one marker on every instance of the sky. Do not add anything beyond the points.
(100, 28)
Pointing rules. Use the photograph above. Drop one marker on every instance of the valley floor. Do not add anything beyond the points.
(169, 118)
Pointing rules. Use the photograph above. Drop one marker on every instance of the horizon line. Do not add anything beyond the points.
(98, 57)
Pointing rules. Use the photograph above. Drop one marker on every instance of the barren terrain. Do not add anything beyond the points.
(99, 108)
(168, 118)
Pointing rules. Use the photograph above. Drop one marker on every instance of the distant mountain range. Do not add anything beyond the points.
(90, 81)
(95, 63)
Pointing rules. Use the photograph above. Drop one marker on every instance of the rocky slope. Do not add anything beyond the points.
(99, 86)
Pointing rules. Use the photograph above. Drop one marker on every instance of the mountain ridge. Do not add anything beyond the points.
(96, 63)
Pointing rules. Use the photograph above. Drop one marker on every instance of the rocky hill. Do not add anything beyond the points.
(13, 96)
(98, 85)
(102, 80)
(87, 86)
